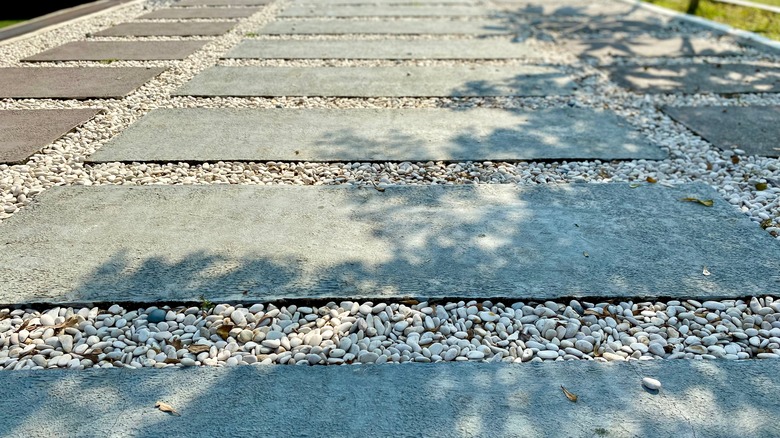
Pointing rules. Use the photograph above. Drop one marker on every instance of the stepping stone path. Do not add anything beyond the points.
(327, 167)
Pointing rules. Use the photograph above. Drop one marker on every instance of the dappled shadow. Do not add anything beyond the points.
(682, 46)
(698, 78)
(699, 398)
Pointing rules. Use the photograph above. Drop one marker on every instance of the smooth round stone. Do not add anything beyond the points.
(583, 346)
(651, 384)
(187, 362)
(547, 354)
(245, 336)
(709, 340)
(238, 318)
(274, 335)
(313, 359)
(369, 357)
(451, 354)
(156, 315)
(476, 355)
(656, 348)
(713, 305)
(47, 319)
(488, 316)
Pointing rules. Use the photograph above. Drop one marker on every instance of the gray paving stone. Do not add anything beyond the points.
(185, 13)
(120, 50)
(171, 243)
(73, 82)
(384, 49)
(197, 28)
(714, 399)
(25, 132)
(222, 2)
(698, 78)
(203, 134)
(379, 81)
(419, 10)
(396, 27)
(569, 9)
(648, 46)
(612, 25)
(754, 129)
(385, 2)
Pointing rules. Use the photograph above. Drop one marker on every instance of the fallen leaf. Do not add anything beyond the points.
(198, 348)
(705, 271)
(379, 189)
(761, 186)
(735, 159)
(766, 223)
(651, 180)
(224, 330)
(165, 407)
(409, 302)
(704, 202)
(569, 395)
(171, 360)
(709, 165)
(176, 343)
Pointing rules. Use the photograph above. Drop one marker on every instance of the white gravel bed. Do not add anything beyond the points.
(691, 158)
(388, 332)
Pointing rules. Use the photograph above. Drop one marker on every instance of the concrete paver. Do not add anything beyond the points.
(647, 46)
(257, 243)
(119, 50)
(754, 129)
(698, 78)
(73, 82)
(386, 26)
(222, 2)
(379, 81)
(172, 135)
(168, 29)
(418, 10)
(185, 13)
(24, 132)
(384, 49)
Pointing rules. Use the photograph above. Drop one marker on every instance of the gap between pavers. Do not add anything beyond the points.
(119, 50)
(711, 399)
(754, 129)
(24, 132)
(430, 26)
(344, 11)
(648, 46)
(384, 49)
(403, 81)
(197, 28)
(73, 82)
(697, 78)
(191, 13)
(239, 243)
(348, 135)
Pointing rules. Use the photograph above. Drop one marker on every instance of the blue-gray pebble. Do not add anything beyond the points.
(157, 315)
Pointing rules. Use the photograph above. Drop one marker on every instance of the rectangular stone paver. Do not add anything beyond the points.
(172, 135)
(120, 50)
(177, 243)
(73, 82)
(24, 132)
(698, 78)
(384, 2)
(185, 13)
(222, 2)
(169, 29)
(699, 398)
(754, 129)
(648, 46)
(383, 11)
(379, 81)
(383, 49)
(385, 26)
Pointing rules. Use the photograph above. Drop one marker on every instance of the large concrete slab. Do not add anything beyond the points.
(384, 49)
(198, 28)
(568, 9)
(698, 78)
(73, 82)
(185, 13)
(385, 2)
(714, 399)
(419, 10)
(172, 135)
(119, 50)
(754, 129)
(379, 81)
(396, 27)
(225, 242)
(648, 46)
(222, 2)
(24, 132)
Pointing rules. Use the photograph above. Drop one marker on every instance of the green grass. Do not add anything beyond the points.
(764, 23)
(6, 23)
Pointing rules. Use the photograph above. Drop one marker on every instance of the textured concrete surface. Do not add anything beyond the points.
(607, 25)
(389, 2)
(222, 2)
(384, 49)
(412, 81)
(171, 243)
(119, 50)
(698, 78)
(698, 399)
(384, 26)
(205, 134)
(184, 13)
(73, 82)
(419, 10)
(594, 10)
(24, 132)
(199, 28)
(647, 46)
(754, 129)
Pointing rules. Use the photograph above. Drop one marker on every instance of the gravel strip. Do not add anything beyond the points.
(393, 332)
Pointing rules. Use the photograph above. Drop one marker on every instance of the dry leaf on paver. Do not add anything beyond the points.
(171, 360)
(224, 330)
(381, 189)
(761, 186)
(569, 395)
(734, 159)
(705, 271)
(198, 348)
(176, 343)
(165, 407)
(651, 180)
(704, 202)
